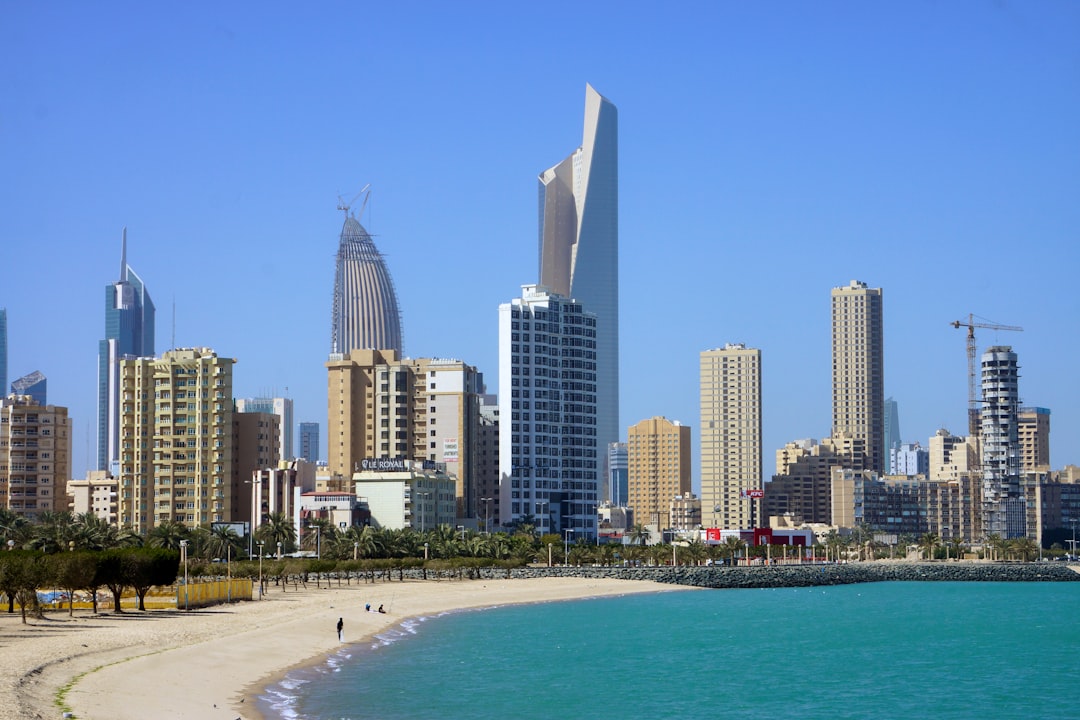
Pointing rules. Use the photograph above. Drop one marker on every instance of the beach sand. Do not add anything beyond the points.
(213, 663)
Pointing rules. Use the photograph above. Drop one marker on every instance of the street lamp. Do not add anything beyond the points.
(355, 550)
(261, 543)
(279, 550)
(318, 540)
(425, 551)
(423, 506)
(566, 545)
(487, 514)
(462, 529)
(183, 556)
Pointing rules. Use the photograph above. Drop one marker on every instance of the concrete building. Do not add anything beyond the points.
(365, 313)
(35, 385)
(618, 475)
(409, 494)
(255, 446)
(283, 408)
(892, 431)
(96, 494)
(276, 489)
(176, 432)
(1003, 504)
(550, 452)
(309, 442)
(381, 406)
(579, 245)
(1034, 434)
(614, 522)
(658, 464)
(487, 485)
(910, 459)
(341, 510)
(952, 457)
(858, 372)
(730, 393)
(802, 486)
(35, 457)
(685, 513)
(129, 333)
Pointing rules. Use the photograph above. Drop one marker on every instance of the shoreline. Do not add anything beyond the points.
(216, 663)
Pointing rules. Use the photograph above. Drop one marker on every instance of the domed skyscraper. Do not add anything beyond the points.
(365, 315)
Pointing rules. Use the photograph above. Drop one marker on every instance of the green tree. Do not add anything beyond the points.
(929, 542)
(72, 571)
(223, 544)
(639, 534)
(278, 528)
(147, 567)
(24, 572)
(167, 535)
(731, 547)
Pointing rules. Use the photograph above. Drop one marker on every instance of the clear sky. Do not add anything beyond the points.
(768, 152)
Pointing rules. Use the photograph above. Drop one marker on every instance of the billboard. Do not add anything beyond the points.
(383, 464)
(450, 450)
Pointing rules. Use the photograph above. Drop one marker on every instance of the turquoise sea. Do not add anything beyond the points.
(880, 650)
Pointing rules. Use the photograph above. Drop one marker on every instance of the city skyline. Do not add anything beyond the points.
(916, 147)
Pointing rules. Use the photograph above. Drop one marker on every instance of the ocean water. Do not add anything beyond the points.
(881, 650)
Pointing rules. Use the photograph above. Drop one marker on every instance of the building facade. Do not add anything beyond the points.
(283, 408)
(129, 333)
(176, 431)
(910, 459)
(365, 313)
(1003, 503)
(96, 494)
(579, 244)
(309, 442)
(618, 475)
(3, 348)
(658, 465)
(1034, 434)
(730, 394)
(952, 457)
(892, 431)
(35, 457)
(408, 494)
(858, 370)
(549, 451)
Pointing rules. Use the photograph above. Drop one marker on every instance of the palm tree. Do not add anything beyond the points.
(639, 534)
(929, 542)
(14, 528)
(167, 535)
(731, 547)
(996, 544)
(957, 543)
(53, 532)
(223, 543)
(277, 530)
(1024, 548)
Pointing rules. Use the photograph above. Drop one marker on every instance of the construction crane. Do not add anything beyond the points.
(346, 206)
(973, 408)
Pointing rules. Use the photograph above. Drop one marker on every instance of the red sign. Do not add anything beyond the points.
(756, 494)
(712, 534)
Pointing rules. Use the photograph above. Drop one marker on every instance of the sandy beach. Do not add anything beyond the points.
(212, 663)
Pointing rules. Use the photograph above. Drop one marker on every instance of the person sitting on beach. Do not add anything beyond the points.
(367, 608)
(381, 610)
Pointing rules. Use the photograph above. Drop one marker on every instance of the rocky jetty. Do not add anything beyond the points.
(779, 576)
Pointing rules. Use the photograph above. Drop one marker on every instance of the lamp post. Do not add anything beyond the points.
(423, 507)
(279, 550)
(183, 556)
(566, 545)
(261, 543)
(355, 550)
(487, 514)
(425, 551)
(228, 573)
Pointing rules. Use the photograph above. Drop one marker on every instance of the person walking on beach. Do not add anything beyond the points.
(340, 628)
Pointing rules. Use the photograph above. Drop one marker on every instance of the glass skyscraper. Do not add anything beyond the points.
(309, 441)
(35, 385)
(365, 307)
(579, 245)
(129, 333)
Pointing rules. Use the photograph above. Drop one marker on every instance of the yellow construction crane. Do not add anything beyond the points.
(973, 408)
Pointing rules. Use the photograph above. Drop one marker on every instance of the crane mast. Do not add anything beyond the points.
(973, 406)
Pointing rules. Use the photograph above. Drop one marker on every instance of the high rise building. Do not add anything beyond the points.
(309, 441)
(3, 347)
(255, 447)
(365, 307)
(1034, 430)
(129, 333)
(549, 453)
(176, 432)
(487, 486)
(892, 431)
(658, 468)
(858, 370)
(421, 409)
(952, 457)
(730, 436)
(1003, 511)
(579, 244)
(618, 479)
(283, 408)
(35, 457)
(910, 459)
(35, 385)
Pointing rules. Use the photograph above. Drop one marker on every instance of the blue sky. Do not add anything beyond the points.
(768, 152)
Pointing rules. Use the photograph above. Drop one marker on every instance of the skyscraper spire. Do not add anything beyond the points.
(123, 256)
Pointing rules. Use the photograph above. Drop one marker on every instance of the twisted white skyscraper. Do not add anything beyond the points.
(579, 245)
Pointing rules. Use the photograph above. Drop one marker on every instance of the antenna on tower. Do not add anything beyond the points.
(346, 206)
(173, 341)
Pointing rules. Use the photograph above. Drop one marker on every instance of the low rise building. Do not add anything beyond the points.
(407, 493)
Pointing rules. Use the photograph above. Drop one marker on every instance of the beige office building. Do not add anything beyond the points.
(176, 439)
(858, 371)
(658, 459)
(95, 494)
(952, 457)
(35, 456)
(730, 436)
(1034, 432)
(382, 406)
